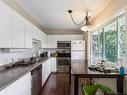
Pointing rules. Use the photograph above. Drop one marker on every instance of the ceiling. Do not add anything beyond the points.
(52, 14)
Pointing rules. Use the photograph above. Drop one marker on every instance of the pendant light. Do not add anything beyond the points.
(87, 26)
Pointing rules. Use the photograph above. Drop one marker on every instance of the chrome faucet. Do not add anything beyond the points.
(13, 62)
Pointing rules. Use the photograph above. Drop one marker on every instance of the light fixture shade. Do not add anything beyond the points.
(85, 28)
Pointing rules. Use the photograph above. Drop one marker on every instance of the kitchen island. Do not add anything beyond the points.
(79, 68)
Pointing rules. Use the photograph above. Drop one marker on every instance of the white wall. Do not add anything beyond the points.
(114, 7)
(5, 58)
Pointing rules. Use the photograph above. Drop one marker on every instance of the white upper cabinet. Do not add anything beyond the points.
(43, 40)
(17, 31)
(39, 35)
(28, 34)
(5, 26)
(52, 41)
(35, 32)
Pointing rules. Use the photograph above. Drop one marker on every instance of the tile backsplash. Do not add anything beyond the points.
(6, 57)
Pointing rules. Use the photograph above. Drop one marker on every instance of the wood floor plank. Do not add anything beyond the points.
(58, 84)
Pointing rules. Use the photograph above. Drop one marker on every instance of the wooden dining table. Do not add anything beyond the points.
(79, 69)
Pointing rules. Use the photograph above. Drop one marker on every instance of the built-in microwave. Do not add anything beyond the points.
(64, 44)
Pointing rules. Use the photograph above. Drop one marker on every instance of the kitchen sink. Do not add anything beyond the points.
(18, 64)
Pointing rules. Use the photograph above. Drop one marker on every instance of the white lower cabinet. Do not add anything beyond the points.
(46, 70)
(48, 67)
(2, 92)
(43, 73)
(20, 87)
(53, 64)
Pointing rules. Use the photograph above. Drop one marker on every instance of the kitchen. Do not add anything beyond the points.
(45, 53)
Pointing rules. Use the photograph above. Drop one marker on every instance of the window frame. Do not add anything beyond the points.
(102, 28)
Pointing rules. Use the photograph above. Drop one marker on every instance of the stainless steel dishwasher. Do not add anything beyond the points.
(36, 82)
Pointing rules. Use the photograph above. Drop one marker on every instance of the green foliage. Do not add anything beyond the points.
(111, 46)
(101, 48)
(95, 48)
(91, 89)
(122, 40)
(104, 88)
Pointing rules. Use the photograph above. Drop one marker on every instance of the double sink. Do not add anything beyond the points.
(20, 63)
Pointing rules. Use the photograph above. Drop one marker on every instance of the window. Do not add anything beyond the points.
(95, 44)
(108, 43)
(95, 49)
(100, 44)
(121, 39)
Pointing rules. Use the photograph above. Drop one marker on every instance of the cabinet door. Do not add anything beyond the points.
(46, 70)
(20, 87)
(2, 92)
(43, 40)
(35, 33)
(18, 31)
(52, 41)
(53, 65)
(28, 34)
(48, 67)
(5, 25)
(39, 34)
(43, 73)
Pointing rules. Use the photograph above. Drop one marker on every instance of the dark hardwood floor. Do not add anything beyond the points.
(58, 84)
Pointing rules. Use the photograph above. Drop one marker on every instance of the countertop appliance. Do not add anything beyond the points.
(77, 49)
(36, 80)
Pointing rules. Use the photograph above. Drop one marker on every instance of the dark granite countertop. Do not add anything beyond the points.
(8, 76)
(80, 67)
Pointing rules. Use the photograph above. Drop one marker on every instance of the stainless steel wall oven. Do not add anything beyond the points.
(63, 56)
